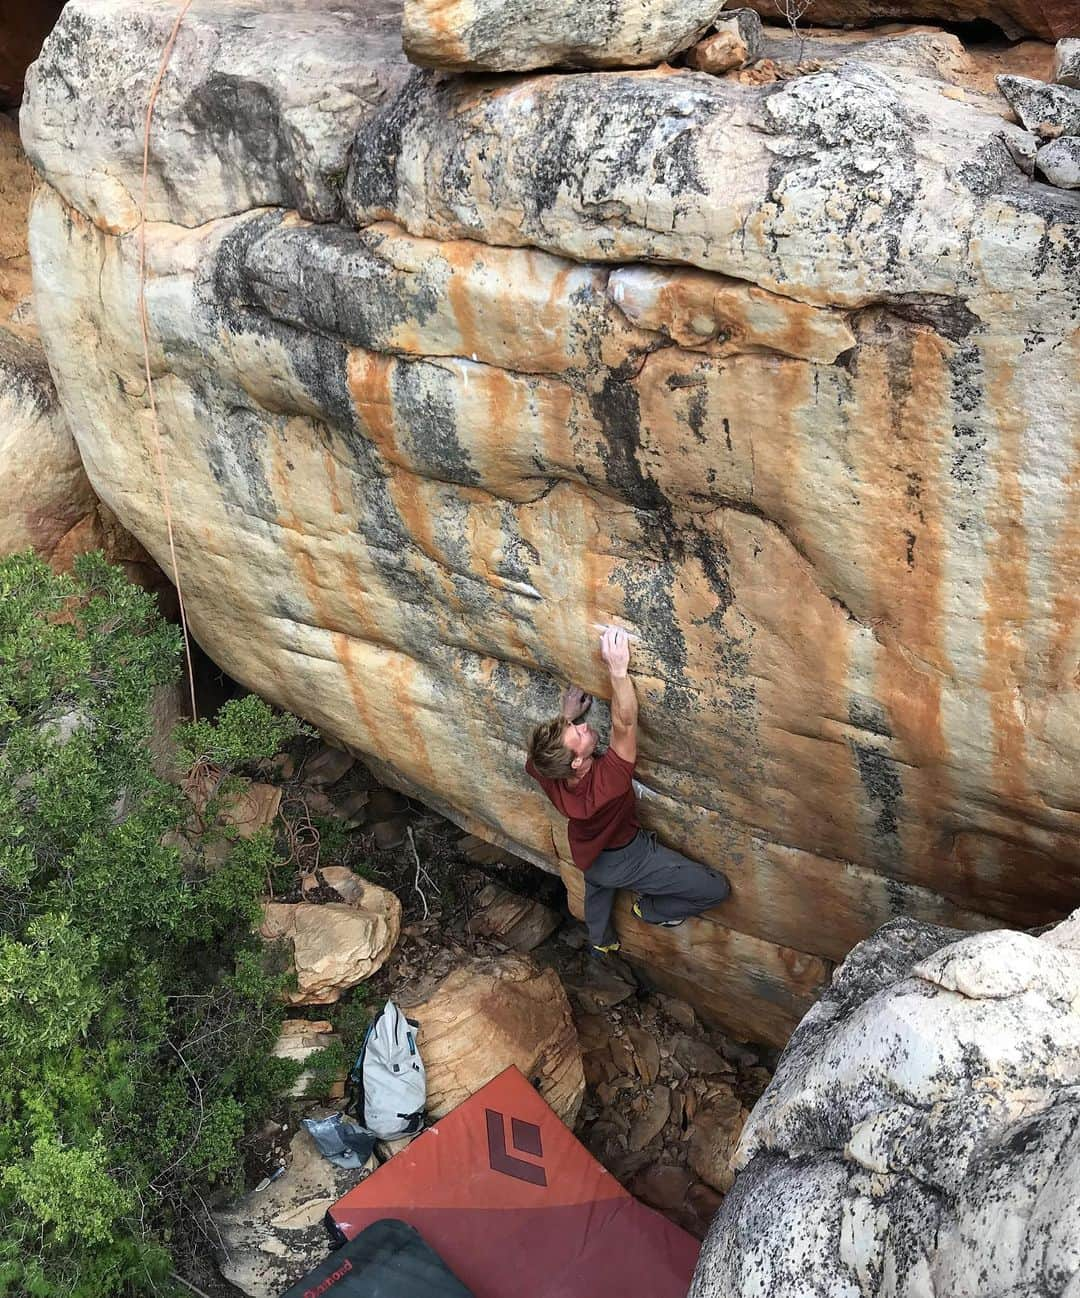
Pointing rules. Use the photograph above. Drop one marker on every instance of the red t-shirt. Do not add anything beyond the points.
(602, 809)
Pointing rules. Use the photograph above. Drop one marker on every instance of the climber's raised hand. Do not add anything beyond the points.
(615, 651)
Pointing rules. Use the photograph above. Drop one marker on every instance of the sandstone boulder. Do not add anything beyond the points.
(1067, 63)
(1059, 162)
(516, 35)
(274, 1237)
(334, 946)
(1045, 18)
(419, 466)
(489, 1014)
(925, 1117)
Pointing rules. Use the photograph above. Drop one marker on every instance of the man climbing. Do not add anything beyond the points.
(596, 794)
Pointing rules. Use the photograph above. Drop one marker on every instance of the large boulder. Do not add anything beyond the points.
(46, 501)
(1046, 18)
(923, 1125)
(514, 36)
(336, 945)
(780, 376)
(488, 1014)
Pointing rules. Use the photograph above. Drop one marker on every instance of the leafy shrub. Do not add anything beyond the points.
(137, 1009)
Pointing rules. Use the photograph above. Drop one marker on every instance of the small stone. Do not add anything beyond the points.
(1059, 162)
(351, 809)
(1067, 62)
(698, 1056)
(385, 802)
(480, 850)
(390, 833)
(737, 1053)
(663, 1187)
(302, 1216)
(622, 1053)
(736, 43)
(327, 766)
(600, 989)
(1043, 108)
(346, 883)
(646, 1054)
(1022, 146)
(678, 1010)
(253, 808)
(714, 1138)
(599, 1068)
(645, 1129)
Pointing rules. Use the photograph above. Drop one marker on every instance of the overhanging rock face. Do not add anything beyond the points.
(781, 377)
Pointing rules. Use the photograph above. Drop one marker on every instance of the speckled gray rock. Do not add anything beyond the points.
(1041, 106)
(516, 35)
(1059, 162)
(922, 1132)
(824, 188)
(1067, 62)
(236, 124)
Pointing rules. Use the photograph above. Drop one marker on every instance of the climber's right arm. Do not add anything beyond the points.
(615, 649)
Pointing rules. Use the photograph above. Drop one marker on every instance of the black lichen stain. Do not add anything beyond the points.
(881, 780)
(424, 402)
(242, 119)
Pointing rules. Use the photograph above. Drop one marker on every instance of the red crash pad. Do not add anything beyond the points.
(518, 1208)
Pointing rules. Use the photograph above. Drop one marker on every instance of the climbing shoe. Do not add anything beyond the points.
(657, 923)
(609, 949)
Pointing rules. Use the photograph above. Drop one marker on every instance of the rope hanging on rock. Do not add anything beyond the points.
(158, 454)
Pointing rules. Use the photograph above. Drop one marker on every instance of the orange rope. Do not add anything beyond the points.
(146, 346)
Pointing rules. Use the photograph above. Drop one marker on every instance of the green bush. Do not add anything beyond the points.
(137, 1009)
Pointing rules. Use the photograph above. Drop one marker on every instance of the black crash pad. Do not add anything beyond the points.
(387, 1260)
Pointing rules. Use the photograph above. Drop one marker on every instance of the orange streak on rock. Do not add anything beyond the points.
(1005, 591)
(461, 256)
(295, 546)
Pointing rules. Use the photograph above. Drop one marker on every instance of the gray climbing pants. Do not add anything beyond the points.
(670, 886)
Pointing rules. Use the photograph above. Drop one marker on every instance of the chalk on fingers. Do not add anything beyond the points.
(604, 626)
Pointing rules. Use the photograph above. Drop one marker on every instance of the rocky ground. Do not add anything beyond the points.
(662, 1099)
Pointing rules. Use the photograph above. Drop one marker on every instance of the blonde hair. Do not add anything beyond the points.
(549, 754)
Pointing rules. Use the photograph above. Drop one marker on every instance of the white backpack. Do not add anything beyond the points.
(388, 1085)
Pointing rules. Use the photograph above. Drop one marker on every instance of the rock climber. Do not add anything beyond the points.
(596, 794)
